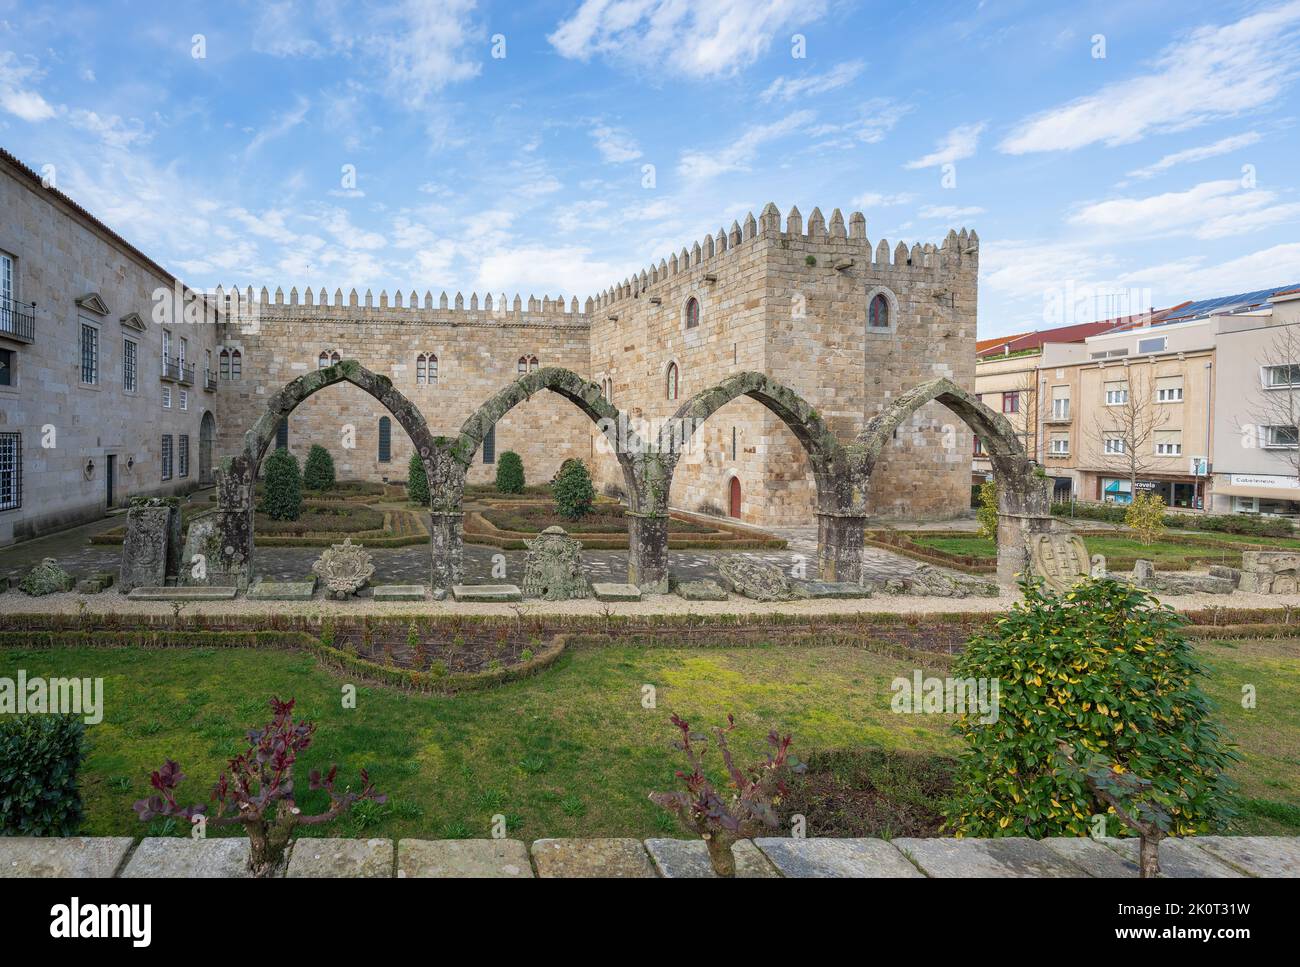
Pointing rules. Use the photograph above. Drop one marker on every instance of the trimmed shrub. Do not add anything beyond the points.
(573, 491)
(318, 471)
(510, 473)
(1106, 669)
(39, 758)
(987, 515)
(1146, 517)
(282, 490)
(417, 481)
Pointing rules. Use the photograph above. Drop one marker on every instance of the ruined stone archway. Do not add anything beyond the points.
(839, 553)
(647, 553)
(1024, 500)
(236, 474)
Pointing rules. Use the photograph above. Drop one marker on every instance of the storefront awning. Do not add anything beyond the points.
(1268, 493)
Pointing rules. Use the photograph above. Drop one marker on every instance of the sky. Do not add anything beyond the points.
(1111, 155)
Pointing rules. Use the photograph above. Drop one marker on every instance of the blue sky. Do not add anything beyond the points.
(1164, 170)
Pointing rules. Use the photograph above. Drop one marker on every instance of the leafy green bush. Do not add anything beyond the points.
(282, 491)
(417, 481)
(1105, 668)
(318, 471)
(1251, 525)
(510, 473)
(39, 758)
(987, 515)
(573, 491)
(1146, 517)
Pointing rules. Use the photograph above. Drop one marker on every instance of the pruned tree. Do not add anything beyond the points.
(1124, 432)
(1276, 402)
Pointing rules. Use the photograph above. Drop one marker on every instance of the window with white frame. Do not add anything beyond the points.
(89, 355)
(184, 401)
(1060, 402)
(1281, 437)
(1169, 443)
(1282, 377)
(426, 369)
(7, 321)
(167, 397)
(1115, 444)
(11, 471)
(1169, 389)
(1117, 393)
(130, 364)
(1059, 445)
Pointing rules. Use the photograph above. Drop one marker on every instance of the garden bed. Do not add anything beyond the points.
(322, 523)
(509, 526)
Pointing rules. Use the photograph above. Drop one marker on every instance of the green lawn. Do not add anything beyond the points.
(571, 752)
(1120, 552)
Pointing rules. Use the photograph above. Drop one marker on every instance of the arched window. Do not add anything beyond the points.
(323, 361)
(223, 363)
(607, 388)
(878, 312)
(670, 383)
(527, 364)
(236, 364)
(426, 368)
(692, 312)
(385, 439)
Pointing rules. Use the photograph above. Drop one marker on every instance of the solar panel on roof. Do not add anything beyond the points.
(1206, 307)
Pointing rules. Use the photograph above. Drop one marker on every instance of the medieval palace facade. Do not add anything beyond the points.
(100, 402)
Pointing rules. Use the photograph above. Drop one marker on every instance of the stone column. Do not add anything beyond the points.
(234, 525)
(1024, 511)
(147, 552)
(446, 544)
(647, 551)
(840, 536)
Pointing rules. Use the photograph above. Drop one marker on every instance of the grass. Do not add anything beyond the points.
(572, 752)
(1120, 552)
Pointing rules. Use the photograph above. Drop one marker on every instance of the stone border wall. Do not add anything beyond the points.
(152, 857)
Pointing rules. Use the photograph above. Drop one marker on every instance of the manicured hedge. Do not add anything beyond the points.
(39, 758)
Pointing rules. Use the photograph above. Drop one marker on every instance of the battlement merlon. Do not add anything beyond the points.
(959, 251)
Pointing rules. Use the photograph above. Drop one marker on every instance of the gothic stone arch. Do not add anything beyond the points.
(840, 514)
(236, 474)
(1024, 500)
(647, 554)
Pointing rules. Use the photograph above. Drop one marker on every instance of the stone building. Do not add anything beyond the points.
(846, 324)
(98, 401)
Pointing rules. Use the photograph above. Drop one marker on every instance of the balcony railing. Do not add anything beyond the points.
(17, 321)
(171, 369)
(186, 372)
(209, 381)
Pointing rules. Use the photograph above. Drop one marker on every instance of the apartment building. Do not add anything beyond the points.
(1198, 404)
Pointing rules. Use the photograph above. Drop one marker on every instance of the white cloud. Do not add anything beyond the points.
(876, 118)
(736, 156)
(787, 88)
(1198, 277)
(877, 199)
(1200, 153)
(542, 268)
(1212, 209)
(949, 213)
(15, 95)
(111, 129)
(280, 125)
(712, 39)
(1215, 72)
(615, 144)
(427, 48)
(961, 142)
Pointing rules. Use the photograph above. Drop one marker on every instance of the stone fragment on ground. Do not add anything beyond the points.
(705, 589)
(184, 593)
(46, 578)
(486, 593)
(70, 857)
(609, 591)
(591, 858)
(840, 858)
(929, 581)
(553, 567)
(753, 578)
(463, 858)
(344, 568)
(282, 590)
(189, 859)
(818, 590)
(96, 583)
(352, 858)
(689, 859)
(1012, 856)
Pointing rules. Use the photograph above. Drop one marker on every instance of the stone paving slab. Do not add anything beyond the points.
(836, 589)
(689, 859)
(183, 594)
(591, 858)
(1092, 857)
(608, 591)
(73, 857)
(840, 858)
(1013, 856)
(702, 590)
(400, 592)
(1179, 859)
(486, 593)
(359, 858)
(282, 591)
(463, 858)
(1256, 855)
(189, 859)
